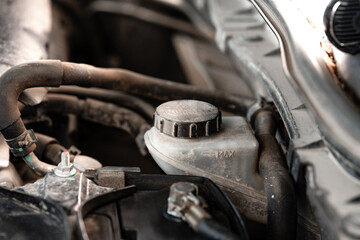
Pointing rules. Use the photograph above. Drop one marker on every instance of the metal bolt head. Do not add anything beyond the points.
(65, 168)
(183, 188)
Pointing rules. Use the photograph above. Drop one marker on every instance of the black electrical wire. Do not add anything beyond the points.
(116, 97)
(211, 229)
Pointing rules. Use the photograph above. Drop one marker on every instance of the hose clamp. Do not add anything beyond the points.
(185, 203)
(23, 144)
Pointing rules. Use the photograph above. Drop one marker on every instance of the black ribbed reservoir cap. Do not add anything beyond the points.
(187, 118)
(342, 23)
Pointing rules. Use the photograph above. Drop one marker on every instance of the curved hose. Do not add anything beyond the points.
(35, 164)
(14, 81)
(279, 187)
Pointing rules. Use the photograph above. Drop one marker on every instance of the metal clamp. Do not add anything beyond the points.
(23, 144)
(184, 203)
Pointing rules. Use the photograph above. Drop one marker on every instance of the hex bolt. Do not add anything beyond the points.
(65, 168)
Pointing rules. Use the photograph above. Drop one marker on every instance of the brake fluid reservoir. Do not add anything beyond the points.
(191, 137)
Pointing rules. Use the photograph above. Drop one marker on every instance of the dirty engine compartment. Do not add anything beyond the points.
(177, 119)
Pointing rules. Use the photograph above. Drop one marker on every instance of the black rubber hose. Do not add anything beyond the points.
(279, 186)
(116, 97)
(14, 81)
(63, 104)
(211, 229)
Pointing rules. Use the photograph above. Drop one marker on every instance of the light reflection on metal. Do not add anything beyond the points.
(305, 66)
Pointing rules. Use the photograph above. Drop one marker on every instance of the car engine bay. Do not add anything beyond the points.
(179, 119)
